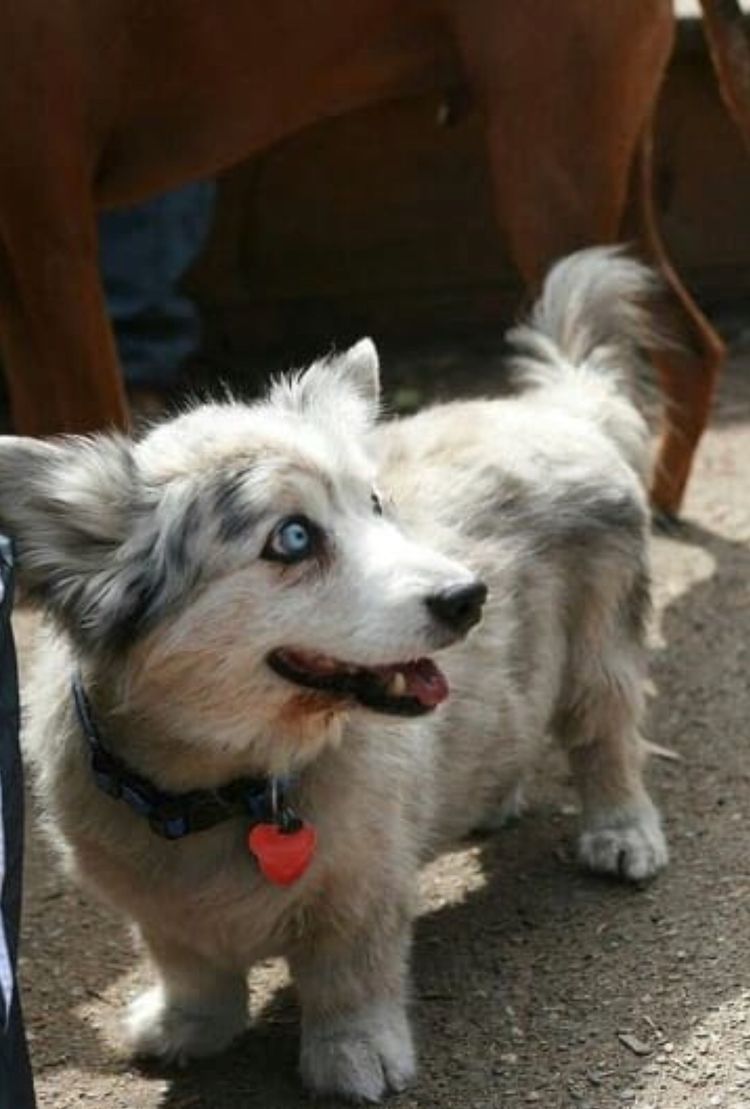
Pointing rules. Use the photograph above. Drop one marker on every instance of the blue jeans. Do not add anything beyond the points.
(144, 252)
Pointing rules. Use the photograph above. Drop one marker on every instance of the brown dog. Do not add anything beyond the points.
(106, 102)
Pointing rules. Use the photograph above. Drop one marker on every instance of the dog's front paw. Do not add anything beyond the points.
(156, 1027)
(361, 1056)
(627, 842)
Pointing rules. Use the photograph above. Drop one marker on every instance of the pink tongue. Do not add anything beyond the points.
(425, 682)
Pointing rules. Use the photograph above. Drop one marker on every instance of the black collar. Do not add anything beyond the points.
(174, 815)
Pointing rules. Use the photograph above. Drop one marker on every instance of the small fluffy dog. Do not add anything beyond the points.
(238, 731)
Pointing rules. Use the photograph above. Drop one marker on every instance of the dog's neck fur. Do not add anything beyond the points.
(175, 815)
(143, 737)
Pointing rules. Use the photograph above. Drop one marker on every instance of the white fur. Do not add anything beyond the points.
(151, 559)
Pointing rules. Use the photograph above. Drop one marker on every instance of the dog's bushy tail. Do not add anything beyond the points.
(591, 315)
(584, 340)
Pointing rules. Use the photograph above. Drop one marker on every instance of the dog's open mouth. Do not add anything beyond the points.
(402, 689)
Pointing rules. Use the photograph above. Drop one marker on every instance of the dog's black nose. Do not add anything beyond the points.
(460, 606)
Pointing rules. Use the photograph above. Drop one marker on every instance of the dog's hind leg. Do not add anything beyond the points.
(689, 369)
(587, 77)
(622, 833)
(565, 96)
(599, 726)
(196, 1009)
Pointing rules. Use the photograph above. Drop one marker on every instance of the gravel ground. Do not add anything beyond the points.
(535, 985)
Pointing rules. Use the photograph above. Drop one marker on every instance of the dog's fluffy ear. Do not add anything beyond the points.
(69, 506)
(344, 386)
(359, 368)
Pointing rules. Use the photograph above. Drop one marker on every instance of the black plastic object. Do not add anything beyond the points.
(16, 1088)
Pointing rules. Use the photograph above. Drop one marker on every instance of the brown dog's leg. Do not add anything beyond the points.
(568, 98)
(58, 349)
(57, 346)
(726, 30)
(689, 371)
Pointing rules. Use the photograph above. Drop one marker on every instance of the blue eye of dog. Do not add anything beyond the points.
(291, 541)
(377, 505)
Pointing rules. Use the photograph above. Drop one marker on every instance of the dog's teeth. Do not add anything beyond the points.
(397, 685)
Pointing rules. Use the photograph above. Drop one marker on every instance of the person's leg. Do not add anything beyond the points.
(16, 1088)
(145, 250)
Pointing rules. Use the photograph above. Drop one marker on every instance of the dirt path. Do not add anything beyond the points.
(534, 984)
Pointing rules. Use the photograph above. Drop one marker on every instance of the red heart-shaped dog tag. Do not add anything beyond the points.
(283, 857)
